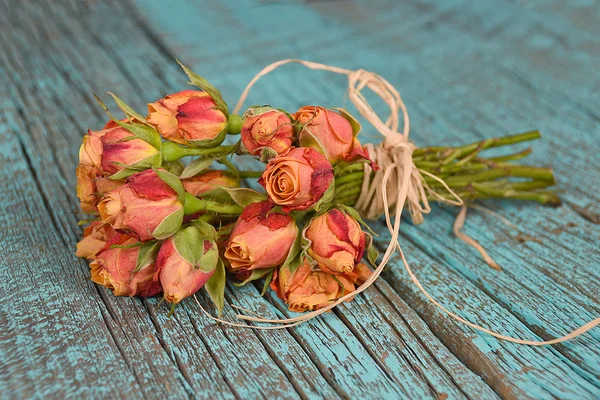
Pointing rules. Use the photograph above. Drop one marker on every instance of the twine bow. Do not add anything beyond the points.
(397, 183)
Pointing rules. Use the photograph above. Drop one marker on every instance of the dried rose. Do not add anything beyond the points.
(337, 242)
(261, 238)
(95, 236)
(205, 183)
(145, 206)
(305, 289)
(297, 179)
(189, 117)
(115, 267)
(186, 261)
(330, 133)
(264, 128)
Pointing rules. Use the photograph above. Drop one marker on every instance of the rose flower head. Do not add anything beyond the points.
(126, 268)
(337, 242)
(95, 236)
(332, 133)
(189, 117)
(145, 206)
(308, 289)
(261, 238)
(207, 183)
(186, 261)
(297, 179)
(112, 152)
(266, 130)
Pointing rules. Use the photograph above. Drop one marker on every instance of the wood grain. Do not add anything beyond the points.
(466, 70)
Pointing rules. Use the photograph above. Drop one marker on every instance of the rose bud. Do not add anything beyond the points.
(306, 289)
(186, 261)
(261, 238)
(111, 150)
(91, 188)
(297, 178)
(265, 128)
(145, 206)
(189, 117)
(206, 183)
(330, 133)
(337, 241)
(114, 267)
(95, 236)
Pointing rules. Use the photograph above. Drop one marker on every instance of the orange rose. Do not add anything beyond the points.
(144, 206)
(337, 242)
(206, 182)
(113, 267)
(297, 179)
(189, 117)
(306, 289)
(95, 236)
(330, 133)
(270, 129)
(104, 153)
(185, 262)
(261, 238)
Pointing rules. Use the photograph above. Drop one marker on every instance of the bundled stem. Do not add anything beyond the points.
(468, 174)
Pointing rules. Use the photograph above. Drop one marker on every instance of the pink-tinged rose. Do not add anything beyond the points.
(86, 188)
(330, 133)
(189, 117)
(95, 236)
(306, 289)
(113, 267)
(337, 242)
(206, 182)
(145, 206)
(297, 178)
(185, 262)
(271, 129)
(262, 238)
(110, 151)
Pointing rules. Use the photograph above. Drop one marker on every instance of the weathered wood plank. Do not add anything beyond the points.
(54, 65)
(460, 72)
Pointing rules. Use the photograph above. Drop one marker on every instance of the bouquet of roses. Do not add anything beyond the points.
(160, 225)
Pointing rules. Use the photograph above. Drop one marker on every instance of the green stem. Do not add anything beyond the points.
(502, 170)
(458, 152)
(349, 177)
(225, 161)
(193, 205)
(172, 152)
(234, 124)
(251, 174)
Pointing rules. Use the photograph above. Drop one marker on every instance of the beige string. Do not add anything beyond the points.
(394, 156)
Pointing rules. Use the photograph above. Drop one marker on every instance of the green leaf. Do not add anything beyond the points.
(325, 200)
(354, 214)
(195, 167)
(130, 112)
(122, 174)
(171, 180)
(169, 226)
(190, 244)
(215, 287)
(206, 143)
(255, 275)
(203, 84)
(243, 196)
(353, 122)
(294, 250)
(174, 167)
(372, 254)
(147, 254)
(266, 154)
(268, 280)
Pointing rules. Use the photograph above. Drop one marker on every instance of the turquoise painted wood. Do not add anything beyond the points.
(467, 70)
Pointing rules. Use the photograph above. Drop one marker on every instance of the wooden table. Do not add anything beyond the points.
(467, 70)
